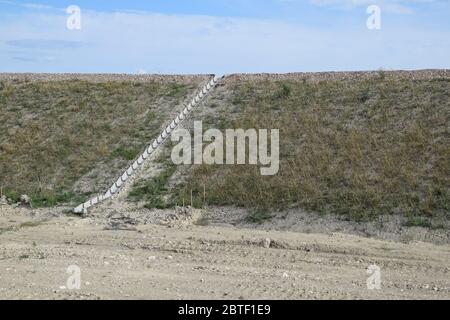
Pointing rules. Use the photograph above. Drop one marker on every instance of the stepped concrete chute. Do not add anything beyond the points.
(122, 180)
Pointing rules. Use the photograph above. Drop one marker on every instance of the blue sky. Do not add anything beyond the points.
(223, 36)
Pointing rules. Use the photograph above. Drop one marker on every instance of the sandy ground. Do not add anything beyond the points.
(174, 257)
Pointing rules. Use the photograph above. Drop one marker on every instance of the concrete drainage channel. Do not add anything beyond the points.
(137, 164)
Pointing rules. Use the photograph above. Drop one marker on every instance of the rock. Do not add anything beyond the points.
(24, 199)
(267, 243)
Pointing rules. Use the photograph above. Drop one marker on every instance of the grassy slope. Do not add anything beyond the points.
(54, 133)
(358, 147)
(355, 147)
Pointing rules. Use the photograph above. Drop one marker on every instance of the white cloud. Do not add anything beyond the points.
(390, 6)
(32, 6)
(158, 43)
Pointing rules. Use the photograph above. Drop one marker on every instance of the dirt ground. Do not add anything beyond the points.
(177, 255)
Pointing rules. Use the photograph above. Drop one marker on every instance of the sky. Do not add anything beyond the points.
(222, 36)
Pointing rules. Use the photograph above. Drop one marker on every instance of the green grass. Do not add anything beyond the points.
(51, 198)
(283, 92)
(154, 190)
(48, 198)
(126, 154)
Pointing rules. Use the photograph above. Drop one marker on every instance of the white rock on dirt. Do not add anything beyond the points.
(3, 201)
(24, 199)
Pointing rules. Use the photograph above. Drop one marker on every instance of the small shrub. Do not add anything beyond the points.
(8, 90)
(364, 95)
(176, 89)
(14, 196)
(284, 92)
(126, 154)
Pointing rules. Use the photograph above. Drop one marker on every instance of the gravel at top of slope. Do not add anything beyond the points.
(99, 77)
(312, 76)
(341, 75)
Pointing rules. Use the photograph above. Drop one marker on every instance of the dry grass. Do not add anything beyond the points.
(360, 148)
(357, 147)
(56, 136)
